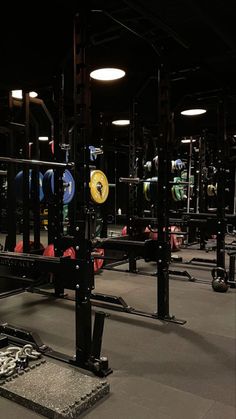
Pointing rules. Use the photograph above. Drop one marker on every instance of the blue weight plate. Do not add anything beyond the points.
(48, 185)
(179, 164)
(69, 186)
(19, 185)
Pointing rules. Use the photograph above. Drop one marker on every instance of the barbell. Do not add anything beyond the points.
(175, 164)
(99, 187)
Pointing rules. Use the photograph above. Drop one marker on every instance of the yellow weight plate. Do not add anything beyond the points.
(99, 187)
(211, 190)
(146, 190)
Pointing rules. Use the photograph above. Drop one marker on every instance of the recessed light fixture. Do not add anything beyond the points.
(193, 112)
(121, 122)
(33, 94)
(107, 74)
(17, 94)
(188, 140)
(43, 138)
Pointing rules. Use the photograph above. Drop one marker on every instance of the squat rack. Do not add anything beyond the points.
(74, 274)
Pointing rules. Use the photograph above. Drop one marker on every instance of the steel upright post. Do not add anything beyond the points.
(221, 145)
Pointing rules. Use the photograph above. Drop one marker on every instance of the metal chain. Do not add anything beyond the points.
(15, 358)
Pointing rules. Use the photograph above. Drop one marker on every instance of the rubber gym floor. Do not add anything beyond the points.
(161, 370)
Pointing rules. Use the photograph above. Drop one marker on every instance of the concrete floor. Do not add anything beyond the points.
(160, 370)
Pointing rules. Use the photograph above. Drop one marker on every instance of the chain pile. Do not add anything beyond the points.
(15, 358)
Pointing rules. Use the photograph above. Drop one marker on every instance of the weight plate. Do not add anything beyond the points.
(69, 187)
(49, 251)
(68, 183)
(178, 189)
(173, 193)
(179, 165)
(176, 240)
(99, 187)
(19, 246)
(98, 263)
(146, 191)
(211, 190)
(124, 231)
(184, 176)
(48, 186)
(19, 185)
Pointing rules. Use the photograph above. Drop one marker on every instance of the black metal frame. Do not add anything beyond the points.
(130, 245)
(74, 274)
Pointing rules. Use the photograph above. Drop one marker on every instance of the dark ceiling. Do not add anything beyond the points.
(196, 39)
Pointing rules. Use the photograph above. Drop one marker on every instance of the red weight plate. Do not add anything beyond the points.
(19, 246)
(153, 235)
(124, 231)
(49, 251)
(70, 252)
(98, 263)
(177, 240)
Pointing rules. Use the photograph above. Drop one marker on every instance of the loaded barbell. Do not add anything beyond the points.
(175, 165)
(99, 187)
(177, 190)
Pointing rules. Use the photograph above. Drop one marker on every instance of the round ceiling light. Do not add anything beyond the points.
(107, 74)
(33, 94)
(188, 140)
(193, 112)
(43, 138)
(17, 94)
(121, 122)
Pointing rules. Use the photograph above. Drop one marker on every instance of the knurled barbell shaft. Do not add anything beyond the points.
(136, 180)
(35, 162)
